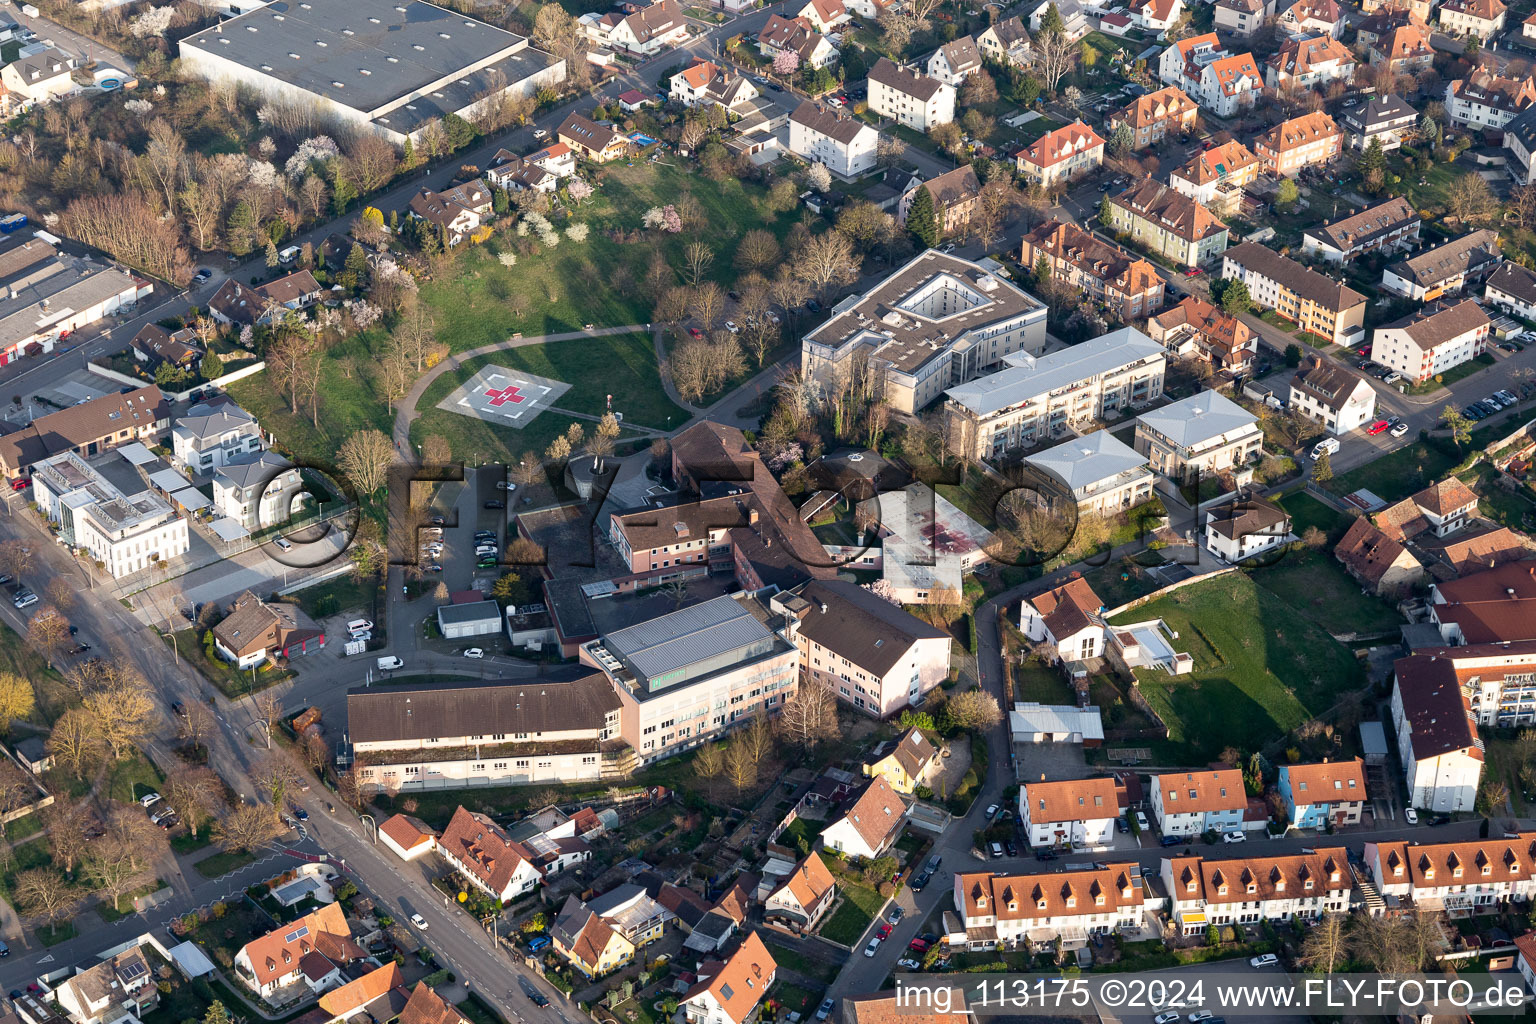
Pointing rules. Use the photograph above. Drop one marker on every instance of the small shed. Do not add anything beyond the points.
(479, 618)
(191, 960)
(1373, 742)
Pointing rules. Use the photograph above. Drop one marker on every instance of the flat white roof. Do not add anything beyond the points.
(1084, 461)
(1029, 377)
(1190, 421)
(226, 529)
(1028, 718)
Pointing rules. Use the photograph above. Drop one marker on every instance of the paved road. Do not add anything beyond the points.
(83, 48)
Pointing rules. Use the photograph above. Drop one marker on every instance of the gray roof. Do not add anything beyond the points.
(615, 897)
(904, 80)
(1084, 461)
(1523, 127)
(1383, 110)
(686, 637)
(1515, 281)
(1303, 281)
(1198, 418)
(1469, 254)
(570, 698)
(203, 422)
(1029, 377)
(822, 121)
(258, 468)
(470, 611)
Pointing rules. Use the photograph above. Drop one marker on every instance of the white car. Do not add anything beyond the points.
(540, 133)
(874, 944)
(1200, 1015)
(419, 921)
(284, 543)
(359, 625)
(1411, 816)
(1142, 823)
(1399, 430)
(730, 325)
(502, 485)
(1267, 960)
(1165, 1018)
(474, 652)
(149, 800)
(1233, 837)
(991, 811)
(25, 601)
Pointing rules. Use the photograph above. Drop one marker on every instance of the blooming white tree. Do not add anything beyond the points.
(883, 589)
(508, 259)
(365, 314)
(311, 151)
(577, 232)
(138, 108)
(263, 175)
(153, 22)
(578, 189)
(247, 337)
(266, 147)
(818, 177)
(779, 456)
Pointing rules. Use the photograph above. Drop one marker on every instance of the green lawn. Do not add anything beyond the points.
(475, 1010)
(1259, 671)
(1507, 508)
(853, 915)
(810, 967)
(52, 935)
(1398, 475)
(108, 913)
(221, 864)
(343, 594)
(1504, 764)
(793, 998)
(1306, 512)
(1316, 585)
(132, 777)
(1033, 681)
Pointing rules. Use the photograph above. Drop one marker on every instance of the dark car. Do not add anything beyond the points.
(434, 567)
(73, 630)
(202, 275)
(180, 708)
(15, 993)
(495, 503)
(300, 813)
(1045, 853)
(535, 996)
(485, 535)
(79, 649)
(437, 520)
(920, 882)
(1440, 819)
(1121, 826)
(1171, 841)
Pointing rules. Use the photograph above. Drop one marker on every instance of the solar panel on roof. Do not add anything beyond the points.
(131, 970)
(297, 934)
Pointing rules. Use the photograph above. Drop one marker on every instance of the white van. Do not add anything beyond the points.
(289, 254)
(391, 662)
(1327, 444)
(359, 626)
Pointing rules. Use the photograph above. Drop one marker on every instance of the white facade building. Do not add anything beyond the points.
(915, 100)
(1432, 340)
(846, 146)
(1469, 876)
(209, 437)
(1248, 890)
(1437, 738)
(1189, 803)
(1077, 813)
(106, 509)
(1070, 905)
(257, 492)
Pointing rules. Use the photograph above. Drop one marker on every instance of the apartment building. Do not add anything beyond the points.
(1513, 287)
(210, 436)
(1189, 803)
(1311, 140)
(1168, 222)
(1322, 794)
(1103, 474)
(935, 323)
(258, 491)
(1484, 100)
(1480, 19)
(106, 508)
(1270, 888)
(1432, 340)
(1333, 395)
(1497, 605)
(1156, 116)
(1070, 814)
(1071, 905)
(1498, 678)
(1468, 877)
(912, 99)
(1205, 434)
(845, 145)
(1200, 329)
(1445, 269)
(1061, 155)
(1106, 273)
(1035, 398)
(1315, 303)
(1315, 62)
(873, 654)
(1520, 144)
(954, 194)
(1388, 226)
(1403, 49)
(1215, 178)
(1005, 41)
(1437, 740)
(1385, 119)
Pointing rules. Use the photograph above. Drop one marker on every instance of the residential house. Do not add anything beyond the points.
(904, 761)
(1242, 19)
(1225, 84)
(590, 140)
(1315, 62)
(912, 99)
(211, 436)
(1077, 16)
(1388, 226)
(154, 344)
(257, 490)
(1206, 331)
(427, 1007)
(1108, 274)
(1155, 16)
(1102, 474)
(874, 654)
(277, 960)
(956, 60)
(1420, 9)
(1382, 18)
(1061, 155)
(631, 911)
(1496, 606)
(1005, 41)
(587, 942)
(1189, 803)
(1156, 116)
(540, 171)
(1528, 28)
(255, 631)
(1439, 510)
(1427, 343)
(1215, 178)
(868, 823)
(1315, 303)
(1497, 678)
(1169, 223)
(487, 858)
(117, 988)
(36, 78)
(1195, 50)
(1403, 50)
(1323, 794)
(1072, 813)
(730, 992)
(1311, 140)
(1445, 269)
(825, 15)
(1383, 566)
(1486, 101)
(690, 85)
(1520, 145)
(1073, 904)
(1386, 119)
(408, 837)
(1068, 619)
(803, 896)
(1437, 741)
(1312, 17)
(1513, 287)
(1472, 877)
(1269, 888)
(846, 146)
(799, 37)
(1329, 393)
(642, 31)
(1479, 19)
(735, 93)
(954, 194)
(380, 994)
(1206, 433)
(1246, 528)
(1526, 944)
(454, 219)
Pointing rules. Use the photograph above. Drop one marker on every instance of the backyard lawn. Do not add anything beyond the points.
(1504, 763)
(1316, 585)
(1033, 681)
(793, 998)
(1259, 670)
(1307, 512)
(809, 967)
(1398, 475)
(859, 907)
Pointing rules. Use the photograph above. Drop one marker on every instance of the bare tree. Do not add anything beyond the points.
(709, 762)
(740, 768)
(65, 821)
(1323, 947)
(247, 828)
(826, 262)
(275, 775)
(315, 751)
(1470, 200)
(365, 458)
(436, 451)
(48, 632)
(974, 710)
(45, 893)
(61, 593)
(193, 792)
(269, 711)
(17, 699)
(758, 250)
(698, 258)
(195, 723)
(809, 717)
(74, 742)
(15, 558)
(707, 302)
(1055, 56)
(757, 737)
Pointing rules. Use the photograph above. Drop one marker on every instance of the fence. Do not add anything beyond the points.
(180, 396)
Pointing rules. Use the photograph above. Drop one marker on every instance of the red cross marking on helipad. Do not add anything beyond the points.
(510, 393)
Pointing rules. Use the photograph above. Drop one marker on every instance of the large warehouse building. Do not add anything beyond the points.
(392, 65)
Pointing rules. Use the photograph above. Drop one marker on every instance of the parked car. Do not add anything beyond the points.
(825, 1009)
(474, 652)
(202, 275)
(540, 133)
(180, 708)
(991, 811)
(872, 947)
(1141, 821)
(419, 921)
(996, 850)
(537, 943)
(1234, 837)
(495, 503)
(895, 915)
(918, 945)
(906, 963)
(1399, 430)
(1171, 841)
(1439, 819)
(1379, 427)
(1266, 960)
(1166, 1017)
(148, 800)
(300, 813)
(920, 881)
(1045, 853)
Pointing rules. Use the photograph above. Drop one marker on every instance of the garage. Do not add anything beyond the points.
(476, 618)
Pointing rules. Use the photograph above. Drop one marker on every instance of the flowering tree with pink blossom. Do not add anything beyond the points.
(578, 190)
(883, 589)
(786, 62)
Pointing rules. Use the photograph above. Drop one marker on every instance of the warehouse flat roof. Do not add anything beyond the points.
(683, 638)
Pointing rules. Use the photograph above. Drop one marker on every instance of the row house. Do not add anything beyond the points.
(1205, 331)
(1216, 177)
(1189, 803)
(1387, 226)
(1434, 339)
(1384, 119)
(1327, 308)
(1323, 794)
(1168, 223)
(1206, 433)
(1312, 17)
(1310, 140)
(1445, 269)
(956, 60)
(1156, 116)
(1061, 155)
(1485, 101)
(1074, 813)
(1249, 890)
(912, 99)
(1006, 41)
(1011, 910)
(1127, 284)
(1331, 394)
(845, 146)
(1513, 287)
(1478, 19)
(1313, 63)
(1437, 740)
(1404, 49)
(1472, 877)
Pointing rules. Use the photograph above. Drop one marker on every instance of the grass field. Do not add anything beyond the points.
(623, 366)
(1306, 512)
(132, 777)
(221, 864)
(1259, 671)
(810, 967)
(1316, 585)
(1396, 476)
(1504, 764)
(853, 915)
(1040, 683)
